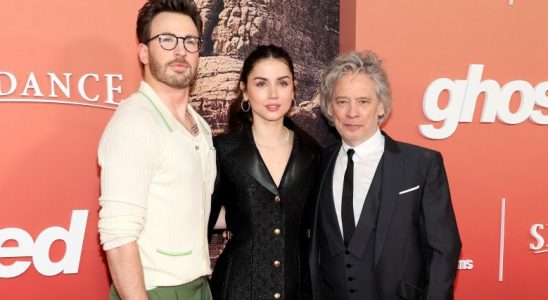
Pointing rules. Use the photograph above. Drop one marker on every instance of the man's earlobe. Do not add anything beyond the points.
(380, 112)
(143, 54)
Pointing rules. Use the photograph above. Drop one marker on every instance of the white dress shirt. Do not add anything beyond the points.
(366, 159)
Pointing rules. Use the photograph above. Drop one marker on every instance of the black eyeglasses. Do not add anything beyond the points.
(169, 41)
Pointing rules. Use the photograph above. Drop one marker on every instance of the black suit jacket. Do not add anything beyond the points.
(417, 244)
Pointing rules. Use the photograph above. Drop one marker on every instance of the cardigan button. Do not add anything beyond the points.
(277, 296)
(277, 199)
(277, 231)
(277, 264)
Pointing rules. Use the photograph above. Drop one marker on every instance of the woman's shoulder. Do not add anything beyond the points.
(230, 140)
(230, 137)
(306, 139)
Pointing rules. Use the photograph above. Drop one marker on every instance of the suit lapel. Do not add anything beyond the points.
(297, 165)
(247, 156)
(392, 176)
(326, 168)
(326, 204)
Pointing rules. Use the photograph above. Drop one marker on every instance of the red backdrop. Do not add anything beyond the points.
(48, 160)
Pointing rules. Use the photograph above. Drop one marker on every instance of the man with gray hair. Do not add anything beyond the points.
(384, 226)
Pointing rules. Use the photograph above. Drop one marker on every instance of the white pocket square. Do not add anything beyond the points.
(410, 190)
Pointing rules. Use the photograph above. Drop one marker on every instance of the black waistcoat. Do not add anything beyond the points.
(347, 272)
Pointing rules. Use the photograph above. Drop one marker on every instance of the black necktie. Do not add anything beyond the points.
(347, 207)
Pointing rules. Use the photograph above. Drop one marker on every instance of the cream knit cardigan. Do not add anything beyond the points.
(156, 185)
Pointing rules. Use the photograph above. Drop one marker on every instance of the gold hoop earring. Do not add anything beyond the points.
(244, 100)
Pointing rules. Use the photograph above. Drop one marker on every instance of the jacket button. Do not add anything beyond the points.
(350, 278)
(277, 264)
(277, 231)
(352, 291)
(277, 296)
(277, 199)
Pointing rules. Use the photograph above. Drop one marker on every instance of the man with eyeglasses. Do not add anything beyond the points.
(158, 167)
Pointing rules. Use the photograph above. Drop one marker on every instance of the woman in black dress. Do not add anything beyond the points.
(266, 175)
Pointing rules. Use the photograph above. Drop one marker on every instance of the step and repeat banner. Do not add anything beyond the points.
(64, 67)
(469, 79)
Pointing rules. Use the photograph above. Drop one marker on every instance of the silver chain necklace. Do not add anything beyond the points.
(286, 139)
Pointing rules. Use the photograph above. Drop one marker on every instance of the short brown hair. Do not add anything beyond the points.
(154, 7)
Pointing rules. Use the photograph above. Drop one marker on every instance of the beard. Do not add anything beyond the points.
(178, 79)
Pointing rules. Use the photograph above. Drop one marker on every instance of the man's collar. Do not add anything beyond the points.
(169, 119)
(368, 146)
